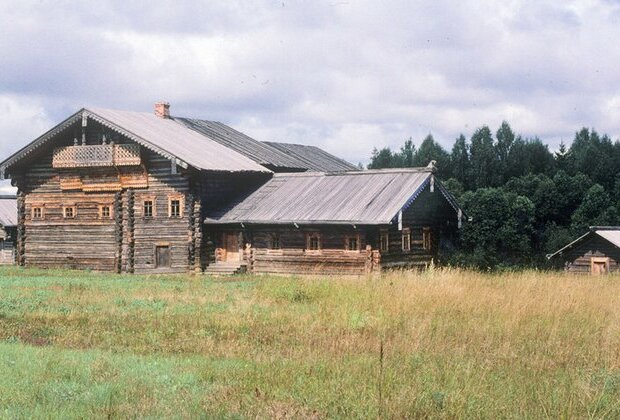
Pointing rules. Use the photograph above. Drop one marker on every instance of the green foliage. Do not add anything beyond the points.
(570, 190)
(500, 231)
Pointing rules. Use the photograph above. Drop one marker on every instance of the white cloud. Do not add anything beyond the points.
(346, 76)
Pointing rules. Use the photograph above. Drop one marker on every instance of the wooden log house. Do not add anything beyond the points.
(596, 252)
(132, 192)
(8, 229)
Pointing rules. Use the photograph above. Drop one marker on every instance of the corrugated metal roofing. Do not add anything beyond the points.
(175, 138)
(313, 158)
(8, 211)
(363, 197)
(259, 152)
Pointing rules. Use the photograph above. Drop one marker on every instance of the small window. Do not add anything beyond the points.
(175, 208)
(148, 208)
(69, 212)
(384, 244)
(314, 242)
(427, 238)
(406, 239)
(105, 212)
(275, 241)
(351, 243)
(37, 212)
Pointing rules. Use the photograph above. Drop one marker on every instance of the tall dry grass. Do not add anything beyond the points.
(454, 343)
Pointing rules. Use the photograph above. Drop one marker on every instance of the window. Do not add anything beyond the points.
(427, 238)
(105, 212)
(69, 212)
(352, 243)
(313, 242)
(175, 208)
(384, 242)
(275, 241)
(406, 239)
(37, 212)
(148, 208)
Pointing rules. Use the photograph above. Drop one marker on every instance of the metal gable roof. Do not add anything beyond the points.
(258, 151)
(362, 197)
(609, 233)
(313, 158)
(175, 138)
(8, 211)
(162, 135)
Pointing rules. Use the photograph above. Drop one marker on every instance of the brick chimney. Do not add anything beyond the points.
(162, 109)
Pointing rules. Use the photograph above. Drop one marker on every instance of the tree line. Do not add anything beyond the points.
(524, 200)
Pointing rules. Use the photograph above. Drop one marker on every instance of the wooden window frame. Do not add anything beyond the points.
(181, 200)
(73, 212)
(406, 240)
(275, 238)
(110, 209)
(309, 237)
(153, 207)
(347, 240)
(33, 211)
(427, 238)
(384, 233)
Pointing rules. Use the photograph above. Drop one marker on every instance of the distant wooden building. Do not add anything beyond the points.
(138, 192)
(8, 229)
(597, 252)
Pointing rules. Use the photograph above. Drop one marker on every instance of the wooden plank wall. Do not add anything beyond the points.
(578, 258)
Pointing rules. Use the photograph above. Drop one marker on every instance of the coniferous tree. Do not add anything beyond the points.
(459, 160)
(483, 159)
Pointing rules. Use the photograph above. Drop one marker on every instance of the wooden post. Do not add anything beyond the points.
(20, 251)
(118, 231)
(130, 231)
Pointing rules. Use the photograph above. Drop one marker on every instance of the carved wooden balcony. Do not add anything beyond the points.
(96, 155)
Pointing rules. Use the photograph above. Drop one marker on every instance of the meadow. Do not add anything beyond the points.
(439, 344)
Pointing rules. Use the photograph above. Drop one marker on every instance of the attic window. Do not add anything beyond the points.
(406, 239)
(384, 242)
(313, 242)
(37, 212)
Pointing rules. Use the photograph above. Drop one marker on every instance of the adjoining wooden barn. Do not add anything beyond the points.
(596, 252)
(353, 223)
(133, 192)
(8, 229)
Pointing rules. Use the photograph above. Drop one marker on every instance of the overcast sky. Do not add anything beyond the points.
(343, 75)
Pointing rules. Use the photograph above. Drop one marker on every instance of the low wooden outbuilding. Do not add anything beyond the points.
(8, 229)
(596, 252)
(337, 223)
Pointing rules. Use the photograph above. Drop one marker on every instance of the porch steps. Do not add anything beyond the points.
(226, 268)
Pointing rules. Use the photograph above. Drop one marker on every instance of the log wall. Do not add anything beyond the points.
(125, 241)
(578, 259)
(294, 258)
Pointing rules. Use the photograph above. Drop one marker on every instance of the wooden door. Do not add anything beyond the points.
(162, 256)
(231, 244)
(599, 266)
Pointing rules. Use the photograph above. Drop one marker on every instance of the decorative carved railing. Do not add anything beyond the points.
(96, 155)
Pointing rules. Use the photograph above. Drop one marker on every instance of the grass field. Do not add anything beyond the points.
(439, 344)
